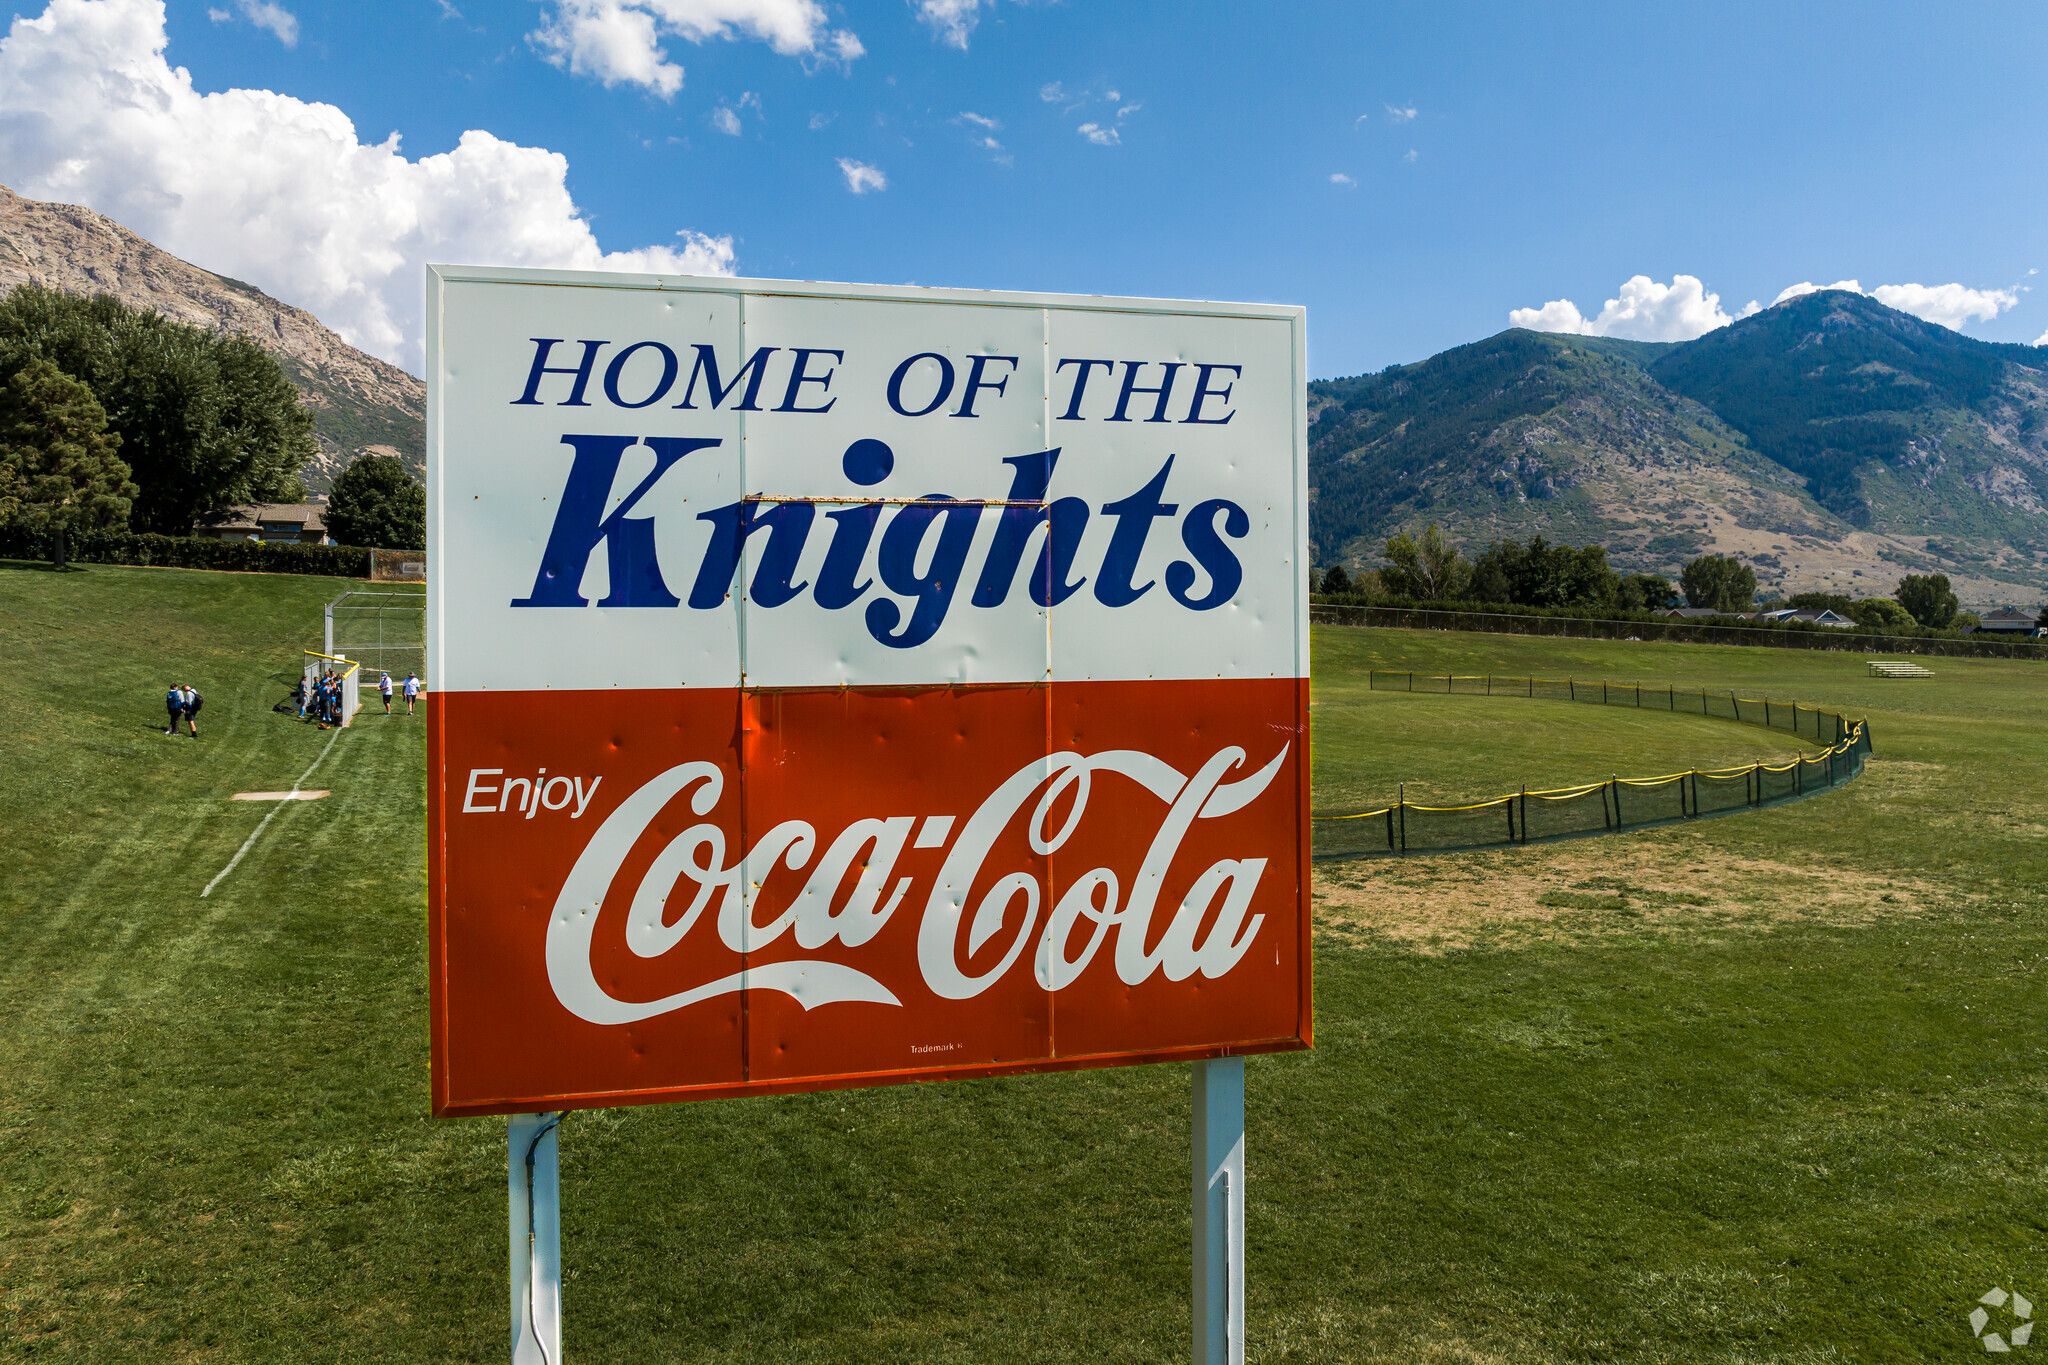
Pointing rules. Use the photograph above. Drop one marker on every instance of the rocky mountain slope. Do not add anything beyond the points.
(358, 401)
(1830, 441)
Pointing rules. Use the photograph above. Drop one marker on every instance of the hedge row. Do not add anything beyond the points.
(1613, 615)
(192, 552)
(1800, 636)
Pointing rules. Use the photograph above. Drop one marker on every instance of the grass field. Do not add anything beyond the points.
(1767, 1087)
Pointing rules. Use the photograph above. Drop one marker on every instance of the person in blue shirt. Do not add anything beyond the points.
(174, 702)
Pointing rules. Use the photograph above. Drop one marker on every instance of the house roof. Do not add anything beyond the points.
(1698, 613)
(2006, 615)
(250, 516)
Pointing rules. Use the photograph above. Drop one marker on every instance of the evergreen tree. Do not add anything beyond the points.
(1336, 580)
(59, 473)
(377, 502)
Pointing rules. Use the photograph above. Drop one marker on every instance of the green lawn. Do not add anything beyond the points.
(1767, 1087)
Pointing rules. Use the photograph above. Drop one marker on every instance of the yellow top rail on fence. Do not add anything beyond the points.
(1840, 760)
(352, 664)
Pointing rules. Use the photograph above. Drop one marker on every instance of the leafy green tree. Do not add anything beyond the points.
(59, 470)
(1880, 615)
(377, 502)
(1929, 598)
(1336, 580)
(1428, 570)
(206, 419)
(1840, 603)
(1644, 592)
(1540, 574)
(1718, 583)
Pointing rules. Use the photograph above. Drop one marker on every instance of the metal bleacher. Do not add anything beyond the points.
(1893, 668)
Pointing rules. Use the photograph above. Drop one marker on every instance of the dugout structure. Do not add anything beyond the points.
(1602, 805)
(350, 673)
(383, 628)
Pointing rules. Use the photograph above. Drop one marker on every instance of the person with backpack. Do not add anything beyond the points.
(174, 702)
(193, 701)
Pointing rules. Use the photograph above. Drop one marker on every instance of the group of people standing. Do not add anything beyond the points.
(183, 703)
(319, 699)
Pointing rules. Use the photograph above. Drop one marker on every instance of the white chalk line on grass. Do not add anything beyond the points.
(257, 833)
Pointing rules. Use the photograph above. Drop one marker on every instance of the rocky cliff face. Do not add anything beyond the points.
(358, 402)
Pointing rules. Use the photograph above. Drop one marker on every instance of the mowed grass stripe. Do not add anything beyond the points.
(1764, 1087)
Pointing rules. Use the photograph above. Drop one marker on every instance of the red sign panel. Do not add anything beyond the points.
(789, 837)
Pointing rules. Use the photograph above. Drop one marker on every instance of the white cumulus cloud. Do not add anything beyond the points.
(861, 178)
(1402, 113)
(279, 191)
(2041, 340)
(951, 21)
(621, 42)
(1645, 310)
(275, 19)
(1339, 178)
(1099, 135)
(1947, 305)
(725, 120)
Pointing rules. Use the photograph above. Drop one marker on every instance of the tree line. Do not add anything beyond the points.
(116, 419)
(1538, 574)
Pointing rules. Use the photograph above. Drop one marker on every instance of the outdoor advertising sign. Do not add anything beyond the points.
(837, 685)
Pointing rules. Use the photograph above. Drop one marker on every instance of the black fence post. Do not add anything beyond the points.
(1614, 781)
(1402, 807)
(1510, 804)
(1525, 812)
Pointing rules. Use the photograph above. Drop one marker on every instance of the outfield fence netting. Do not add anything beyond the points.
(1611, 804)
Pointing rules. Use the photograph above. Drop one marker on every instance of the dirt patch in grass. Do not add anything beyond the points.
(1596, 887)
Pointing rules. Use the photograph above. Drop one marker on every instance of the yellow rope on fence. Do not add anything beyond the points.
(1853, 738)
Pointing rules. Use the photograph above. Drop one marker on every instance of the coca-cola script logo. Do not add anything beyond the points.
(1093, 914)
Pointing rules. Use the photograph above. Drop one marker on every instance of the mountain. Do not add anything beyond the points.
(358, 401)
(1830, 441)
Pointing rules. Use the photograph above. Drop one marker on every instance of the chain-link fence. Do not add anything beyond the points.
(1616, 803)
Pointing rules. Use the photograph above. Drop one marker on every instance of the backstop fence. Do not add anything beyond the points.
(1615, 803)
(384, 629)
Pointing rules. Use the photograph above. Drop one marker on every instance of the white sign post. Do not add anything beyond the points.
(1219, 1211)
(534, 1206)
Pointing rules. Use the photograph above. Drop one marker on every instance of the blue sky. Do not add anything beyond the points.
(1495, 157)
